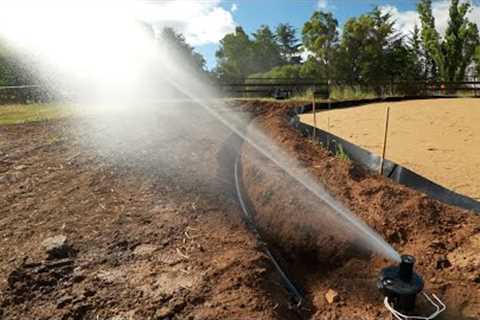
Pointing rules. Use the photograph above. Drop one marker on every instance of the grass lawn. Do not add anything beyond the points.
(24, 113)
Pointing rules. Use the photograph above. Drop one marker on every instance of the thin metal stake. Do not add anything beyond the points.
(387, 117)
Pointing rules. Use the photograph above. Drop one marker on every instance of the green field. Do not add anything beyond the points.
(20, 113)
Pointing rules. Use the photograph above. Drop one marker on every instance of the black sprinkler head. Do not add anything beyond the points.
(400, 284)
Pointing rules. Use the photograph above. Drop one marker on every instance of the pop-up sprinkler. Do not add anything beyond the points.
(400, 286)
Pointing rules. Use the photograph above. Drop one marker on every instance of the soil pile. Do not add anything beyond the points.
(444, 239)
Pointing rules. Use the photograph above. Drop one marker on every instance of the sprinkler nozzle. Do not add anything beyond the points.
(406, 268)
(400, 284)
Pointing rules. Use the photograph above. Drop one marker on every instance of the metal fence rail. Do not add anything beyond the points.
(279, 88)
(25, 94)
(283, 87)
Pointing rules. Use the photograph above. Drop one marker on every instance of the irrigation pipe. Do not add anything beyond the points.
(248, 215)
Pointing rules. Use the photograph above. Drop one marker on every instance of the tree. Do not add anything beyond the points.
(320, 37)
(288, 71)
(312, 68)
(476, 59)
(365, 48)
(449, 60)
(235, 56)
(417, 54)
(176, 43)
(15, 68)
(266, 50)
(5, 69)
(461, 40)
(435, 62)
(288, 43)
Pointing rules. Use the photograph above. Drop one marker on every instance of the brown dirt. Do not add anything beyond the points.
(444, 239)
(149, 243)
(163, 239)
(437, 138)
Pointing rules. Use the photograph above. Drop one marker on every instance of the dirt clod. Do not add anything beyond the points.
(332, 296)
(57, 247)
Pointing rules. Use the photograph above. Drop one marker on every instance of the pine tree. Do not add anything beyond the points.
(288, 43)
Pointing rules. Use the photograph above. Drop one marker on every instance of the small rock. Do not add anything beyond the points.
(477, 279)
(78, 275)
(63, 301)
(144, 250)
(57, 247)
(443, 262)
(88, 292)
(437, 244)
(163, 312)
(332, 296)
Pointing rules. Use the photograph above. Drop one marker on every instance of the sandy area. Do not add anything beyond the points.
(437, 138)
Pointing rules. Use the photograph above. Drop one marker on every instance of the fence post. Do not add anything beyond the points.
(387, 117)
(475, 86)
(314, 114)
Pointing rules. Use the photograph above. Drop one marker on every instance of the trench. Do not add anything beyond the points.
(231, 170)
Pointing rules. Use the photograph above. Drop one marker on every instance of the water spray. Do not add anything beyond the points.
(400, 285)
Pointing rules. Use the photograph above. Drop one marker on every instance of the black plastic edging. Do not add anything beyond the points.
(372, 162)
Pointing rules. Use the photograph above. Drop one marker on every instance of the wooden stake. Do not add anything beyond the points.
(314, 115)
(475, 86)
(387, 117)
(328, 132)
(328, 125)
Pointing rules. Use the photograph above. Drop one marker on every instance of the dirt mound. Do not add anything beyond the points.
(441, 237)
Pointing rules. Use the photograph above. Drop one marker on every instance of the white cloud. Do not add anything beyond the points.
(201, 22)
(234, 7)
(323, 4)
(406, 20)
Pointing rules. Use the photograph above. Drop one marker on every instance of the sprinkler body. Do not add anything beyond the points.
(400, 284)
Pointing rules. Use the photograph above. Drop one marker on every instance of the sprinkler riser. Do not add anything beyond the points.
(400, 284)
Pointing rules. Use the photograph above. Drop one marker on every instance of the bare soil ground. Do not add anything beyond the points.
(444, 239)
(437, 138)
(156, 233)
(159, 238)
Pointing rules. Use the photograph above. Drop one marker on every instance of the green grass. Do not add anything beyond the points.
(340, 153)
(336, 94)
(350, 93)
(21, 113)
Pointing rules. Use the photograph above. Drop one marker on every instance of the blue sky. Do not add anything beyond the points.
(250, 14)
